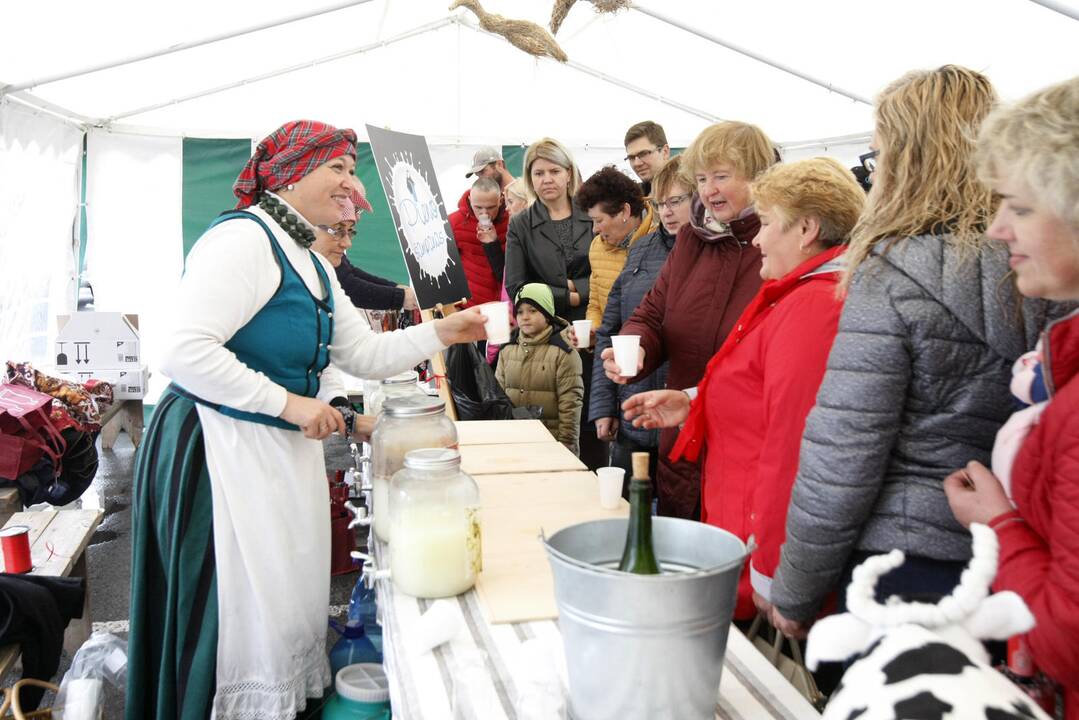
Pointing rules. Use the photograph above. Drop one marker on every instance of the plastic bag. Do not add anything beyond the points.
(102, 658)
(476, 392)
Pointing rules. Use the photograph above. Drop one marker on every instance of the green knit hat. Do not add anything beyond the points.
(539, 296)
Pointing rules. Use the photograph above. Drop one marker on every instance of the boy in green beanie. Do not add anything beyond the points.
(538, 367)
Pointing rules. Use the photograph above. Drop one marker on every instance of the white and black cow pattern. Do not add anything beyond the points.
(916, 661)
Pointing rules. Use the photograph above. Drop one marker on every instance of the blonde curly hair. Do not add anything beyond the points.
(817, 187)
(1036, 143)
(926, 124)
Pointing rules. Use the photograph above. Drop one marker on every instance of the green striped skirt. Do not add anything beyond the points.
(172, 644)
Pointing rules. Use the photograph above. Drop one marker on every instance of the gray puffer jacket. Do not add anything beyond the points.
(916, 386)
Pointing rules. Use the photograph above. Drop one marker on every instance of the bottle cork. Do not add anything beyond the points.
(640, 466)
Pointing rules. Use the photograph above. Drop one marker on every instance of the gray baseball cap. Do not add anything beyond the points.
(483, 157)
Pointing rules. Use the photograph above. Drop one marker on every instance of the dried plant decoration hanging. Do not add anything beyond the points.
(522, 34)
(561, 9)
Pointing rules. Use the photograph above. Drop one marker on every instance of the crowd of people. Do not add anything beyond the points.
(827, 373)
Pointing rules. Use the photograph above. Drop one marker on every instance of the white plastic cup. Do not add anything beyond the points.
(626, 353)
(610, 486)
(438, 625)
(497, 322)
(583, 330)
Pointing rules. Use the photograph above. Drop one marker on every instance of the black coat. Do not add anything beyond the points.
(368, 291)
(533, 254)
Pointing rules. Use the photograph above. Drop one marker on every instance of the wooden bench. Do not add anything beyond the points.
(126, 415)
(58, 540)
(10, 503)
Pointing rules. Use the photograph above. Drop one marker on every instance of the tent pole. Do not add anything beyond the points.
(755, 56)
(607, 78)
(58, 111)
(34, 82)
(419, 30)
(1058, 7)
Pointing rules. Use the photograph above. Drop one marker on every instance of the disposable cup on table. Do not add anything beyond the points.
(610, 486)
(626, 354)
(496, 322)
(583, 330)
(439, 624)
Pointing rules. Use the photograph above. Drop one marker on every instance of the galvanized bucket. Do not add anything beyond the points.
(645, 646)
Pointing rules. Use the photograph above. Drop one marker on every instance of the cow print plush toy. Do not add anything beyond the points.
(920, 661)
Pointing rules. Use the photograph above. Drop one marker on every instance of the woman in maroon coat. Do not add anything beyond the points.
(1027, 154)
(710, 276)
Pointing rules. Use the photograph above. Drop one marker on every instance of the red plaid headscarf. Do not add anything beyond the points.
(293, 150)
(350, 204)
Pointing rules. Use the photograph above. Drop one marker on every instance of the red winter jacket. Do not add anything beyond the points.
(701, 290)
(483, 265)
(1039, 555)
(760, 388)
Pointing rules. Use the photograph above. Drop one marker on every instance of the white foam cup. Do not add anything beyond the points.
(626, 353)
(497, 322)
(583, 330)
(439, 624)
(610, 486)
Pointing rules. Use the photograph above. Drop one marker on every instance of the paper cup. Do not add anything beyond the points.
(626, 353)
(583, 330)
(497, 325)
(439, 624)
(610, 486)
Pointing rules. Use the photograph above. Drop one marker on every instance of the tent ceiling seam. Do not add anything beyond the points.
(580, 67)
(418, 30)
(35, 82)
(751, 54)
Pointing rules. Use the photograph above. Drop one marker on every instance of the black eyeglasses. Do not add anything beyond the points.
(869, 160)
(671, 203)
(640, 156)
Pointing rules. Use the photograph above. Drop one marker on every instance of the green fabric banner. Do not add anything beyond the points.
(376, 248)
(514, 157)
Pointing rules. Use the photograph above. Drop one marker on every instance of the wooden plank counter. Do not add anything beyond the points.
(499, 432)
(550, 456)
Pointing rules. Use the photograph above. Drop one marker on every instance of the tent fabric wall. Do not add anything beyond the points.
(210, 166)
(39, 167)
(134, 256)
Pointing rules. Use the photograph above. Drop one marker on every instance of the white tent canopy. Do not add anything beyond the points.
(135, 78)
(415, 66)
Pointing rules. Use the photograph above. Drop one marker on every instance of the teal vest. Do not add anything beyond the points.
(288, 339)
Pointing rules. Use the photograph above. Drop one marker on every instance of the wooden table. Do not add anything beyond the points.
(500, 432)
(550, 456)
(58, 540)
(482, 663)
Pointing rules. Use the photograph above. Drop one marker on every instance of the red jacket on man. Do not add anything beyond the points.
(707, 281)
(483, 263)
(751, 411)
(1039, 544)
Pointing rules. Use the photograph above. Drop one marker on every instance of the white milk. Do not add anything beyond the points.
(435, 552)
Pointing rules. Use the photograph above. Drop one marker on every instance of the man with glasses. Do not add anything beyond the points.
(646, 152)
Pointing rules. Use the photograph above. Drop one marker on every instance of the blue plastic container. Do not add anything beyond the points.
(362, 693)
(351, 648)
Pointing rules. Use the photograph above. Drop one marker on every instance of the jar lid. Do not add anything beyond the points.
(405, 378)
(432, 458)
(363, 682)
(413, 406)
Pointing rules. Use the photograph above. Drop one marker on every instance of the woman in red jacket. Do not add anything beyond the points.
(709, 277)
(750, 408)
(1027, 153)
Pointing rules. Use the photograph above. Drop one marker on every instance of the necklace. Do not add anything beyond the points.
(296, 228)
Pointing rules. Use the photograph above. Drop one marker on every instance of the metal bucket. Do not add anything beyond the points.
(645, 646)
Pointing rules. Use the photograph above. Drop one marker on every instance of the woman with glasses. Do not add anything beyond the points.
(917, 381)
(712, 273)
(365, 290)
(673, 189)
(620, 217)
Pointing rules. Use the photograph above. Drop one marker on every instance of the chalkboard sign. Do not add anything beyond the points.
(419, 214)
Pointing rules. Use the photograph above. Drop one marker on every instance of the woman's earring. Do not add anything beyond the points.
(290, 187)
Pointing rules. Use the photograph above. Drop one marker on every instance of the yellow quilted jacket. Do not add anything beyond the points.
(607, 262)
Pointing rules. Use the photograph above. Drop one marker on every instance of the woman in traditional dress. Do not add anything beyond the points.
(231, 534)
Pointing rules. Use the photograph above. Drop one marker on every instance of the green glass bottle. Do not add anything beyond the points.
(638, 556)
